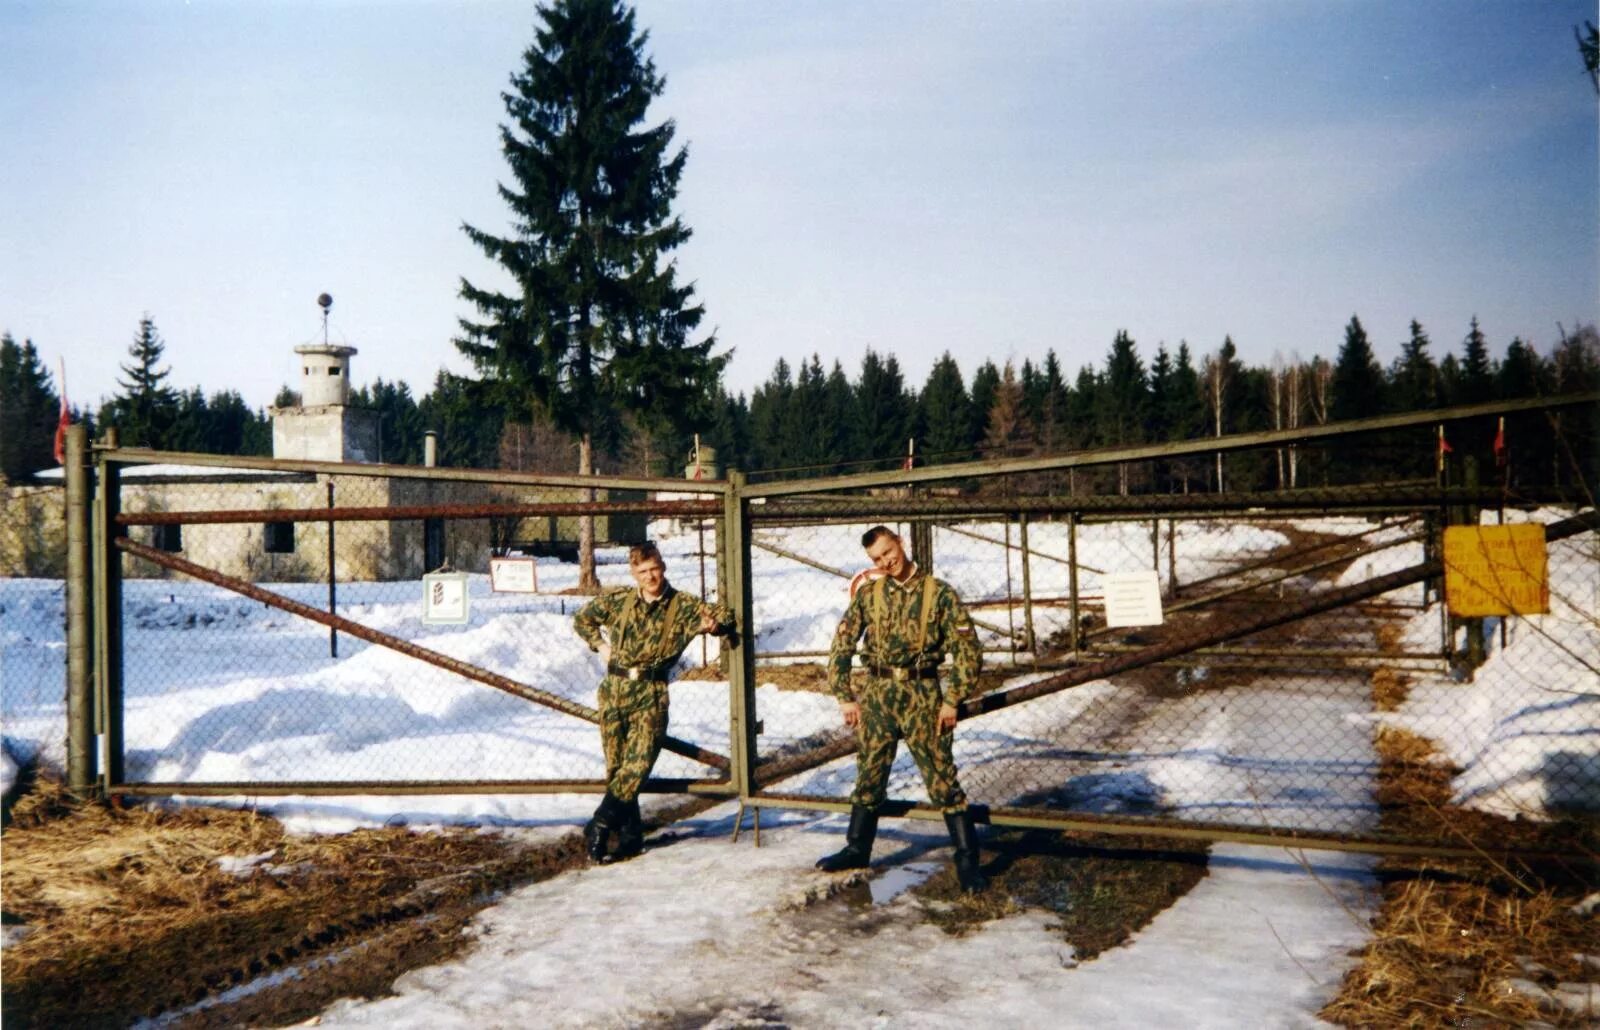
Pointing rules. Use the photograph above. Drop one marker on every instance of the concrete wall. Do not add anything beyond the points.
(33, 531)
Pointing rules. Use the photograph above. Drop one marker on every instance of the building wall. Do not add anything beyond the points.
(33, 531)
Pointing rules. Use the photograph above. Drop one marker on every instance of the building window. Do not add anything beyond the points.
(167, 538)
(305, 369)
(278, 537)
(333, 370)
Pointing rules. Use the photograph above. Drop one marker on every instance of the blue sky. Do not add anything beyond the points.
(995, 179)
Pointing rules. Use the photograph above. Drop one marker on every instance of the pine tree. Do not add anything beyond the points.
(1122, 402)
(984, 383)
(1357, 379)
(884, 413)
(1414, 379)
(599, 323)
(767, 413)
(1477, 371)
(468, 422)
(29, 409)
(946, 413)
(146, 410)
(1007, 433)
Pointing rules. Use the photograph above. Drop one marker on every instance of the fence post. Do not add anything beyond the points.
(1072, 582)
(1027, 586)
(80, 612)
(733, 569)
(108, 615)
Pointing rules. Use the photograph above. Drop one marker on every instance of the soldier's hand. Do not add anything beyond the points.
(708, 620)
(605, 655)
(851, 711)
(947, 718)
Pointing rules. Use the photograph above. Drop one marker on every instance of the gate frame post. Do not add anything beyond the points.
(108, 616)
(733, 572)
(81, 764)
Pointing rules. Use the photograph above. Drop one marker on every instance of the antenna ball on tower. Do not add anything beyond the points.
(325, 300)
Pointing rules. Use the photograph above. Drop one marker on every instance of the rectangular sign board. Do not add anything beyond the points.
(444, 598)
(1132, 598)
(1495, 570)
(514, 575)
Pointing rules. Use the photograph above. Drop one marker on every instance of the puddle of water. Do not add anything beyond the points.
(898, 879)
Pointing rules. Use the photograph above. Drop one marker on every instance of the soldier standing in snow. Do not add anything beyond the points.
(911, 620)
(639, 634)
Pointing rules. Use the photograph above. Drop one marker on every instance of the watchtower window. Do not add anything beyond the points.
(167, 537)
(278, 537)
(333, 370)
(305, 370)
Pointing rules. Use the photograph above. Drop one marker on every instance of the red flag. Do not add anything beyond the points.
(911, 455)
(1444, 448)
(1500, 442)
(64, 421)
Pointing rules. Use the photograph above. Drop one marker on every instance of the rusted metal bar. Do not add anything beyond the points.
(784, 552)
(225, 463)
(1135, 507)
(1208, 636)
(411, 787)
(1283, 574)
(396, 513)
(405, 647)
(1146, 452)
(787, 765)
(1274, 560)
(1001, 543)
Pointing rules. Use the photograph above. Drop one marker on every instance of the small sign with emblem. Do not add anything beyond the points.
(444, 598)
(514, 575)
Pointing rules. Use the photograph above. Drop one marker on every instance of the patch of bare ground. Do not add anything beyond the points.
(121, 913)
(1102, 888)
(1487, 941)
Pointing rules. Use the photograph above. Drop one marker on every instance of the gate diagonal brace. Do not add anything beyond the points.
(789, 765)
(405, 647)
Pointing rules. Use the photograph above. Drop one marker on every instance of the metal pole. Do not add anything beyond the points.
(1172, 557)
(80, 614)
(1011, 604)
(1027, 587)
(333, 634)
(108, 618)
(733, 565)
(1072, 580)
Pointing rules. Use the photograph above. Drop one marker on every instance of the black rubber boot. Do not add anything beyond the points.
(858, 842)
(597, 831)
(630, 833)
(964, 835)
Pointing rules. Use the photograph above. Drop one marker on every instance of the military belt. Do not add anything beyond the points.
(904, 673)
(640, 673)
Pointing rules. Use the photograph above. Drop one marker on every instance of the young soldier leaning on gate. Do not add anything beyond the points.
(911, 620)
(639, 634)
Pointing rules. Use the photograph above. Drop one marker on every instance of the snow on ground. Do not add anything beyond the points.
(1525, 729)
(221, 688)
(1262, 940)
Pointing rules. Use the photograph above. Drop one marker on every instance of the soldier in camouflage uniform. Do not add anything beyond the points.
(911, 620)
(639, 634)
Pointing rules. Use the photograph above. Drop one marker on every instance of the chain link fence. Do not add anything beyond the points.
(1305, 667)
(262, 644)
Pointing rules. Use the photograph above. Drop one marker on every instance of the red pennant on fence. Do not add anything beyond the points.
(1500, 442)
(64, 421)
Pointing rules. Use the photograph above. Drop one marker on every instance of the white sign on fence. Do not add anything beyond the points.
(514, 575)
(1132, 598)
(444, 598)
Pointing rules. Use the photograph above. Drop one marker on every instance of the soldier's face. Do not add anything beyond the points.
(887, 554)
(651, 576)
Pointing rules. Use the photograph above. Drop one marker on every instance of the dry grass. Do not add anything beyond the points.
(126, 912)
(1468, 942)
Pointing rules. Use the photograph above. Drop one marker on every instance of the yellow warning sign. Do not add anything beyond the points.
(1495, 570)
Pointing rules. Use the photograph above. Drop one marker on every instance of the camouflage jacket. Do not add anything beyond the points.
(913, 623)
(646, 632)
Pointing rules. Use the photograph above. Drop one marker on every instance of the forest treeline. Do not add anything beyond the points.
(809, 419)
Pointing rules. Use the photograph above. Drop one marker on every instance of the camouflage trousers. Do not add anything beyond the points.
(890, 712)
(633, 722)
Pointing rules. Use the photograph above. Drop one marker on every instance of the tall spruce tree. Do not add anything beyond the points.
(146, 409)
(984, 383)
(946, 413)
(1122, 402)
(1414, 378)
(768, 406)
(1357, 379)
(884, 414)
(29, 408)
(599, 323)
